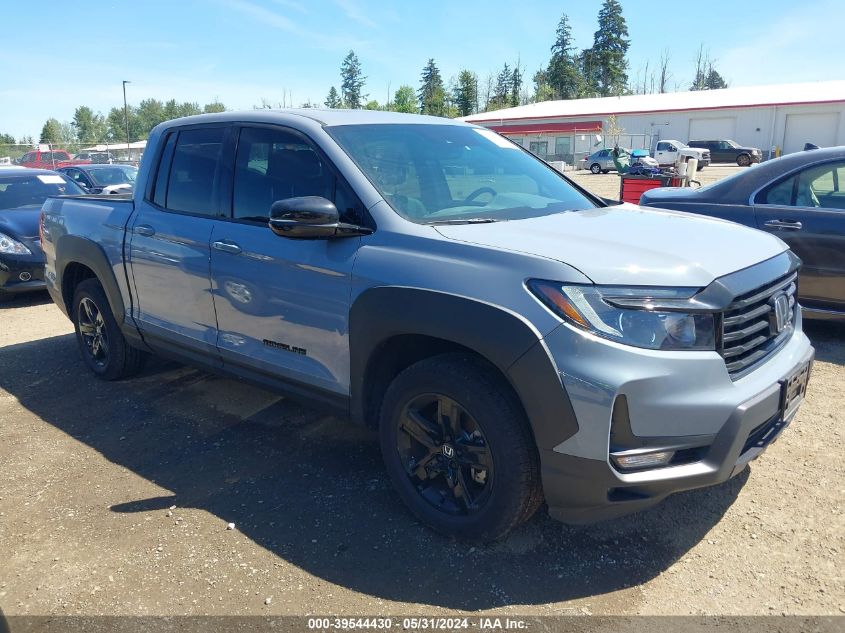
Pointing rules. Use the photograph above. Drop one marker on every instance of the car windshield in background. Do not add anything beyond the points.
(32, 190)
(448, 173)
(116, 175)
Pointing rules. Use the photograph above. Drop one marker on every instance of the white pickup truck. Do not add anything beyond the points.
(667, 153)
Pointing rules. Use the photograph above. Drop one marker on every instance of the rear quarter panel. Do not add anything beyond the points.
(84, 229)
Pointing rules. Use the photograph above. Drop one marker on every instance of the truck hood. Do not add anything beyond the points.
(629, 245)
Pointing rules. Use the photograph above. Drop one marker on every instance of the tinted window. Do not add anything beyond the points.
(662, 147)
(195, 171)
(274, 165)
(117, 175)
(432, 173)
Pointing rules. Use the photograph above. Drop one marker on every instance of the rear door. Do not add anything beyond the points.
(169, 243)
(807, 211)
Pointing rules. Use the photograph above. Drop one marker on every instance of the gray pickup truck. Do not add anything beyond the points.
(514, 339)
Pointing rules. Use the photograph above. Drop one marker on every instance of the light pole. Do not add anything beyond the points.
(126, 115)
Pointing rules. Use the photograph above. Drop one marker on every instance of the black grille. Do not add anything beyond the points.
(749, 334)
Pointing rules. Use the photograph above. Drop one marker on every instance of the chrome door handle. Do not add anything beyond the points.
(145, 230)
(227, 247)
(784, 224)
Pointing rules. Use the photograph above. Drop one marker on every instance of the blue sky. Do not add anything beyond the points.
(240, 51)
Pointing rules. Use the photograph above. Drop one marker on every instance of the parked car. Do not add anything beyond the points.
(99, 158)
(102, 178)
(800, 198)
(601, 162)
(37, 159)
(513, 338)
(729, 151)
(668, 152)
(22, 192)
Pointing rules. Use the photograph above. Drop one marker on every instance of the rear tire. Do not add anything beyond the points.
(101, 344)
(458, 448)
(595, 168)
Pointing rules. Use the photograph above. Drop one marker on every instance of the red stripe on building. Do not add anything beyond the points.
(542, 128)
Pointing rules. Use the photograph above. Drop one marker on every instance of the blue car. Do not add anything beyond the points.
(22, 192)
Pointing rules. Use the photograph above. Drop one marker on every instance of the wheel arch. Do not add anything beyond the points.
(393, 327)
(78, 258)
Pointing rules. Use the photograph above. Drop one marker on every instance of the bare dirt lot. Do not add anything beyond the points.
(115, 499)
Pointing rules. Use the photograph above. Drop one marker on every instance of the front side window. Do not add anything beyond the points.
(663, 147)
(274, 165)
(443, 173)
(195, 171)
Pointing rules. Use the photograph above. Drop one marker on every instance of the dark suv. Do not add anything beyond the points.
(730, 152)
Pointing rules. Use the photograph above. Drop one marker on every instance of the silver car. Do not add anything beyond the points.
(601, 162)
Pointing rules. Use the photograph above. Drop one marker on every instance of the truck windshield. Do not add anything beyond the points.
(32, 190)
(448, 173)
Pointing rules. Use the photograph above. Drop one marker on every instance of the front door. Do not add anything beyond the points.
(807, 211)
(169, 244)
(666, 153)
(282, 304)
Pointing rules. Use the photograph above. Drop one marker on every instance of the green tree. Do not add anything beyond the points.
(466, 93)
(372, 105)
(432, 93)
(333, 99)
(706, 75)
(714, 80)
(214, 106)
(563, 76)
(352, 81)
(90, 126)
(610, 49)
(405, 100)
(51, 132)
(149, 113)
(7, 139)
(542, 90)
(516, 84)
(501, 97)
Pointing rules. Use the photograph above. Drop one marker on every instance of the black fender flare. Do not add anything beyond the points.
(72, 249)
(502, 337)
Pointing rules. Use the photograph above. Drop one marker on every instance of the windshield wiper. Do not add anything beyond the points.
(464, 221)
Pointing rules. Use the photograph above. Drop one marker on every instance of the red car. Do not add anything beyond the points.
(49, 160)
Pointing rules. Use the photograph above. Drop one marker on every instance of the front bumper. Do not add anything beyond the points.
(21, 273)
(679, 397)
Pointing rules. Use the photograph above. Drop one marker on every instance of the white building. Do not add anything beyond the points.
(779, 118)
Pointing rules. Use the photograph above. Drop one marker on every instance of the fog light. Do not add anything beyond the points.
(24, 276)
(643, 460)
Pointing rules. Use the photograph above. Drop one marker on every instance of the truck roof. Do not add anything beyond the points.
(325, 117)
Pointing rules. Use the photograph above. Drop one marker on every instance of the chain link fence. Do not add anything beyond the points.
(55, 155)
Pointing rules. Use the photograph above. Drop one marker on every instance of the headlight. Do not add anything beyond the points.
(653, 318)
(12, 247)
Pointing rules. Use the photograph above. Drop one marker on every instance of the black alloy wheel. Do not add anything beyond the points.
(445, 454)
(458, 447)
(92, 329)
(102, 345)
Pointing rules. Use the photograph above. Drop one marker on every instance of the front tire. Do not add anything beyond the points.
(743, 160)
(101, 344)
(458, 448)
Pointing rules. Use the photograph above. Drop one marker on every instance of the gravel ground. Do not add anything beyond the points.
(116, 499)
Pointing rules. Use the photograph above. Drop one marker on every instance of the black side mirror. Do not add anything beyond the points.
(310, 217)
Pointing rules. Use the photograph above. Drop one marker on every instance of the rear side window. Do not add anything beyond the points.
(195, 171)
